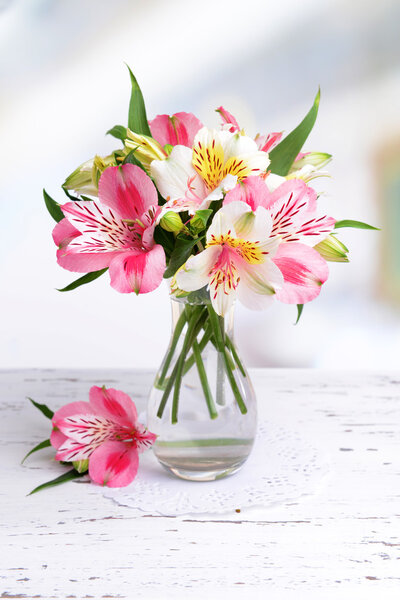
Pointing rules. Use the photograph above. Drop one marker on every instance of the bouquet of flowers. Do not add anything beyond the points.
(219, 214)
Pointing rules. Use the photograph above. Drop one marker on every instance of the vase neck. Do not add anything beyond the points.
(178, 307)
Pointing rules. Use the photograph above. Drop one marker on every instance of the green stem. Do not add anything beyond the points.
(192, 320)
(202, 344)
(167, 392)
(232, 348)
(221, 347)
(177, 332)
(204, 381)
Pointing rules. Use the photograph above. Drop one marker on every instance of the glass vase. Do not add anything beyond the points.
(202, 405)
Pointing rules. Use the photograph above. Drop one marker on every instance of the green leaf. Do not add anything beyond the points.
(83, 280)
(118, 131)
(69, 195)
(165, 238)
(137, 118)
(299, 312)
(182, 251)
(283, 155)
(44, 444)
(132, 160)
(43, 408)
(355, 225)
(53, 207)
(68, 476)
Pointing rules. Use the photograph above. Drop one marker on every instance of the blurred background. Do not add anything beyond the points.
(64, 84)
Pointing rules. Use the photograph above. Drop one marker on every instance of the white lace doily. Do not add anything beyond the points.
(282, 467)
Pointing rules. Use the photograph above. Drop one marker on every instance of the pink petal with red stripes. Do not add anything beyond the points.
(179, 128)
(113, 404)
(304, 271)
(57, 438)
(114, 464)
(127, 191)
(139, 272)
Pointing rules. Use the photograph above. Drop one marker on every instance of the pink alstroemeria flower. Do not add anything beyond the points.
(292, 207)
(180, 128)
(103, 431)
(265, 143)
(115, 231)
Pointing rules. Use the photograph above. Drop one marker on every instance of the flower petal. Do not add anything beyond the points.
(175, 176)
(228, 119)
(304, 272)
(138, 272)
(293, 208)
(258, 284)
(114, 464)
(252, 190)
(180, 128)
(57, 438)
(127, 190)
(267, 142)
(144, 438)
(113, 404)
(196, 271)
(72, 450)
(64, 232)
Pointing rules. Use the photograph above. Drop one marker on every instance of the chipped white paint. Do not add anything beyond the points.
(342, 542)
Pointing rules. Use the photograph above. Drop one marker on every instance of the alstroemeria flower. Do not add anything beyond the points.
(190, 179)
(104, 431)
(293, 209)
(236, 261)
(180, 128)
(115, 232)
(264, 142)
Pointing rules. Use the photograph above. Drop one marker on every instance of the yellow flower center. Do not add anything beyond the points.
(249, 251)
(209, 162)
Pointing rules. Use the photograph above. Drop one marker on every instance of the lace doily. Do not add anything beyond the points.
(282, 467)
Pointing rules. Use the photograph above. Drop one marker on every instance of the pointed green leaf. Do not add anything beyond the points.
(132, 160)
(83, 280)
(283, 155)
(182, 251)
(199, 220)
(44, 444)
(53, 207)
(43, 408)
(165, 238)
(299, 311)
(137, 118)
(118, 131)
(68, 476)
(355, 225)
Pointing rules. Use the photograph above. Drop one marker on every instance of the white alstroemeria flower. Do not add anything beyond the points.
(236, 261)
(189, 179)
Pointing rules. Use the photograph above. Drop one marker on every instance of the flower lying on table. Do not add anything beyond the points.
(101, 437)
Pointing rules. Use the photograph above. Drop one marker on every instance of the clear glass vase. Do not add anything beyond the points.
(202, 405)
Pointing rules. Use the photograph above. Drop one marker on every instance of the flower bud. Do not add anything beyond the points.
(146, 148)
(315, 159)
(332, 249)
(81, 465)
(85, 179)
(171, 221)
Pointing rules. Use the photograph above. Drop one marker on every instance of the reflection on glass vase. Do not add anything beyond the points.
(202, 405)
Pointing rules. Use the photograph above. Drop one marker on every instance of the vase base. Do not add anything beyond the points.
(201, 471)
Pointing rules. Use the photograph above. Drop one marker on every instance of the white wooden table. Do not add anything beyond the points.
(341, 542)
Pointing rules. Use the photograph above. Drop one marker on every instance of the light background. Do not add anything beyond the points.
(64, 83)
